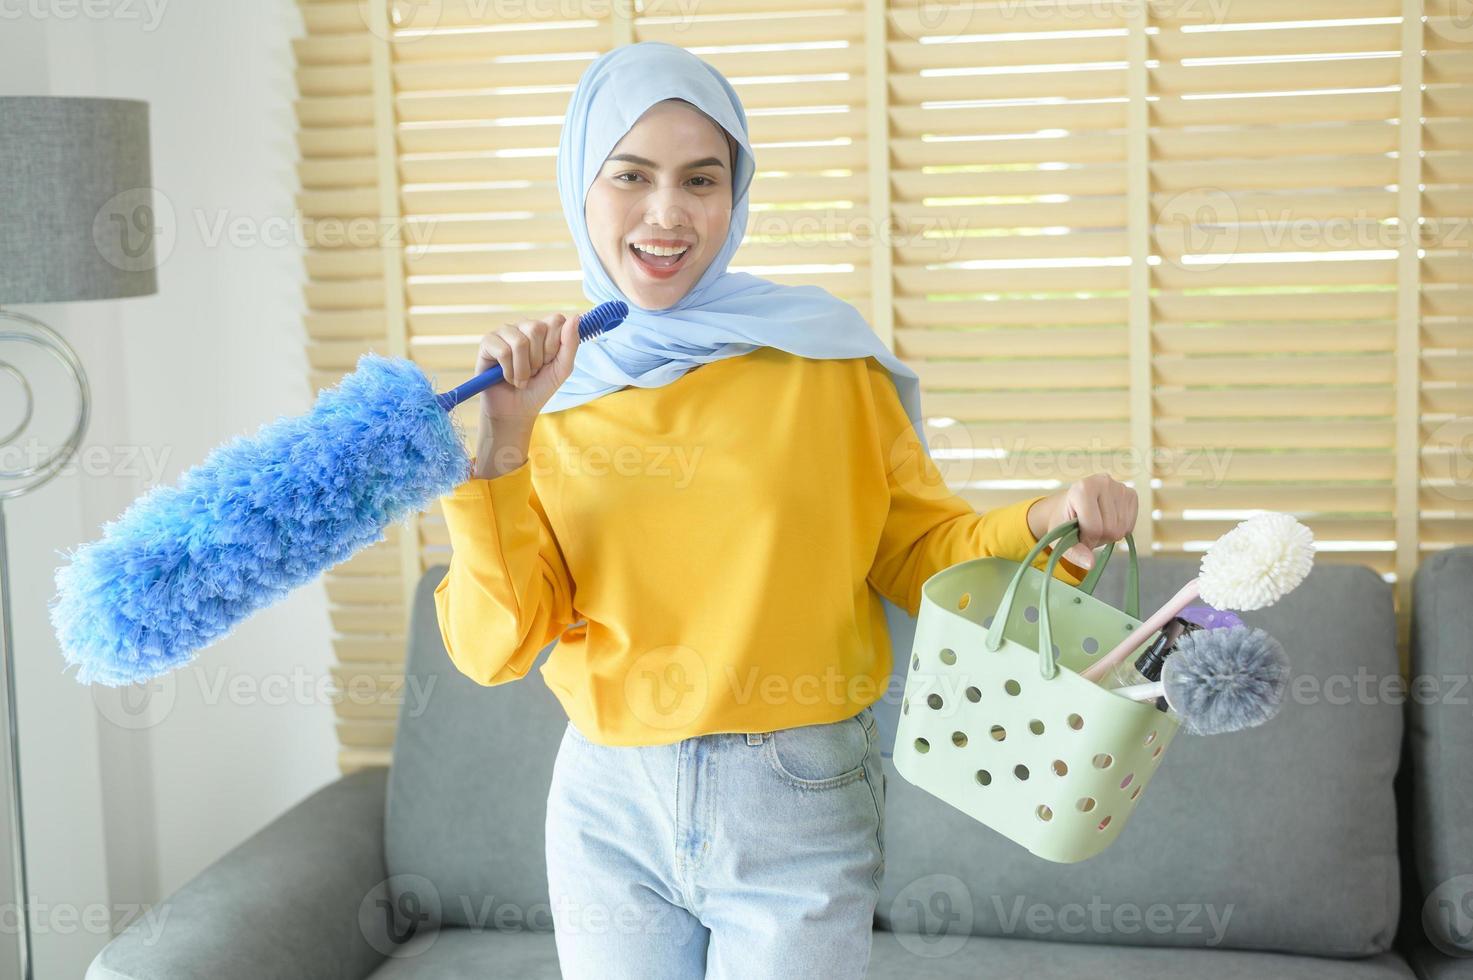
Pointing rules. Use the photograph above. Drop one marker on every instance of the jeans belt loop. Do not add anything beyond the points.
(755, 738)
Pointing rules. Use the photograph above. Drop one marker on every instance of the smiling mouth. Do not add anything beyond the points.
(661, 266)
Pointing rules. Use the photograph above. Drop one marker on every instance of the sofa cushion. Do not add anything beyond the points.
(454, 953)
(1285, 833)
(949, 957)
(467, 793)
(491, 953)
(1431, 963)
(1440, 747)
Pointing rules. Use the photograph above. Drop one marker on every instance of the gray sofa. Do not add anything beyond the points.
(1307, 848)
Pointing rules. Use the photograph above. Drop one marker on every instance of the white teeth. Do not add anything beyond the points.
(661, 250)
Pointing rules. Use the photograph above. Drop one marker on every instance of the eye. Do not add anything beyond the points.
(626, 174)
(708, 181)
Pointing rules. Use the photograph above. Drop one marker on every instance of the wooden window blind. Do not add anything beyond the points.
(1219, 250)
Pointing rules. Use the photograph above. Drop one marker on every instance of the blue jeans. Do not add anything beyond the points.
(719, 856)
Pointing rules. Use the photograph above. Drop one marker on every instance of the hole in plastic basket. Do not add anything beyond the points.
(1156, 753)
(974, 695)
(1085, 804)
(984, 777)
(1135, 792)
(1076, 722)
(948, 656)
(1031, 614)
(1013, 688)
(959, 739)
(1044, 813)
(1126, 781)
(1103, 760)
(1105, 822)
(915, 662)
(1091, 645)
(905, 706)
(1021, 771)
(922, 745)
(1036, 727)
(999, 733)
(1151, 737)
(934, 701)
(1060, 767)
(964, 601)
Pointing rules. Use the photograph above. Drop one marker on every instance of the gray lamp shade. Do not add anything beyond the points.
(76, 202)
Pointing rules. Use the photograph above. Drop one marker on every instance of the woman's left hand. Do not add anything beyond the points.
(1104, 507)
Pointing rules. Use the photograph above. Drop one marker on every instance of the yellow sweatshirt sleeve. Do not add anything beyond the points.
(508, 592)
(929, 527)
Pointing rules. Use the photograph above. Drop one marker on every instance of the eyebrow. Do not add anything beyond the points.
(641, 161)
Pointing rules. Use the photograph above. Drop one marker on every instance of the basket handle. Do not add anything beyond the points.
(1067, 534)
(1087, 585)
(1132, 577)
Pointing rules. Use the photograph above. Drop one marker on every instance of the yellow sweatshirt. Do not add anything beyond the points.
(708, 553)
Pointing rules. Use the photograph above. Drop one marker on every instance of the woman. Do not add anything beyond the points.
(723, 489)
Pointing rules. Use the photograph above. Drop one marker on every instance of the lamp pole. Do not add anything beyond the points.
(17, 328)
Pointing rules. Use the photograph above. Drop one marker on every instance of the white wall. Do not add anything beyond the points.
(125, 801)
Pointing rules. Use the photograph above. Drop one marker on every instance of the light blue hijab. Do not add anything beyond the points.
(725, 314)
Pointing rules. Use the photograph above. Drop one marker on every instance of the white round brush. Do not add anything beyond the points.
(1254, 565)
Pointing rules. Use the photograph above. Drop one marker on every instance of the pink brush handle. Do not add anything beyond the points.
(1159, 618)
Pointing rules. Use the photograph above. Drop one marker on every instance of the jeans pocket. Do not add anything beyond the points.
(822, 756)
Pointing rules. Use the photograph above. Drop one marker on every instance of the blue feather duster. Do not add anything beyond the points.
(262, 515)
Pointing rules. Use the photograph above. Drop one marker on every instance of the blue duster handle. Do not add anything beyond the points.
(603, 317)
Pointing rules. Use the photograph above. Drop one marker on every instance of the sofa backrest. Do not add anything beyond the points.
(1281, 837)
(1440, 751)
(467, 791)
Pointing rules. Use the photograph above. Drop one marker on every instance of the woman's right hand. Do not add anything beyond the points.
(536, 357)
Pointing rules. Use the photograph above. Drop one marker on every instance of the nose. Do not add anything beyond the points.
(665, 209)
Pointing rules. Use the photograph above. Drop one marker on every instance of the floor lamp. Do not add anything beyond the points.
(76, 223)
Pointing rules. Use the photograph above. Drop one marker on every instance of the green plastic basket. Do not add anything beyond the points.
(998, 722)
